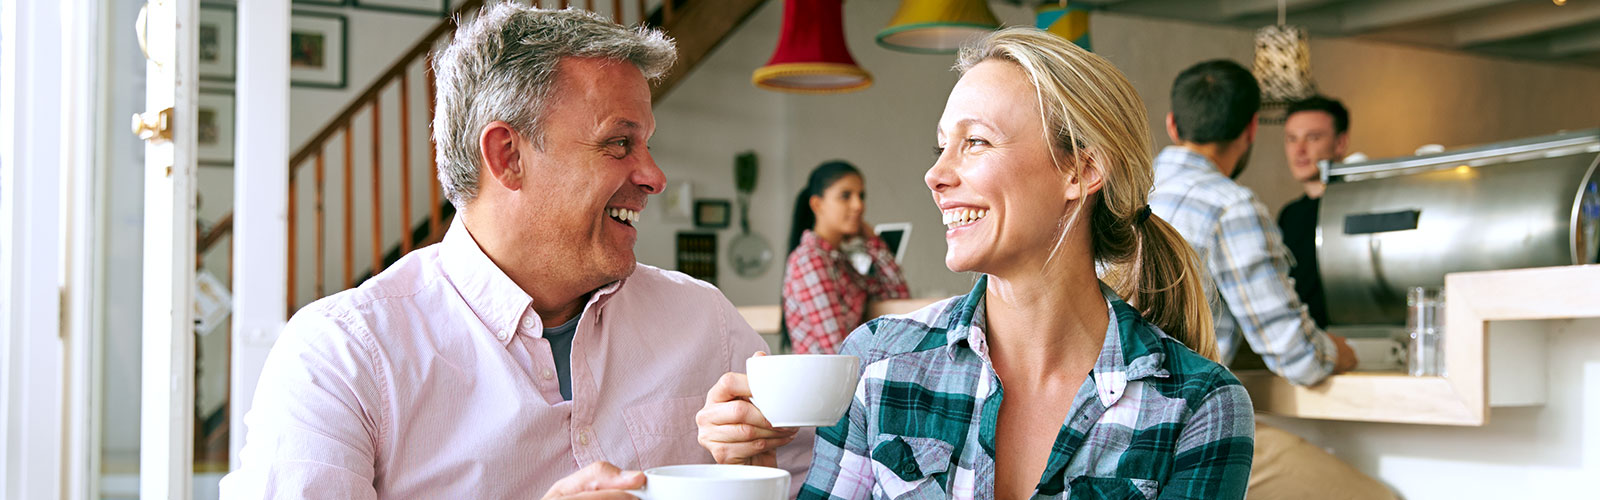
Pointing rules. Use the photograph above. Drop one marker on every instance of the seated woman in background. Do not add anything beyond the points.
(1043, 381)
(836, 263)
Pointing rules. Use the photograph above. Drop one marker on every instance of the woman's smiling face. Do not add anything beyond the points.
(995, 181)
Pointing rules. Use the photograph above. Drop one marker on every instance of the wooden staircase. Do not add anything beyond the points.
(699, 26)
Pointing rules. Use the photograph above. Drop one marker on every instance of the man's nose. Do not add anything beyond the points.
(648, 176)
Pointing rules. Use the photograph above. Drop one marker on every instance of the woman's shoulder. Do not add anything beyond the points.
(1191, 376)
(896, 334)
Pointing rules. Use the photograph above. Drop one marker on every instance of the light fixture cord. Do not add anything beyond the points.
(1282, 10)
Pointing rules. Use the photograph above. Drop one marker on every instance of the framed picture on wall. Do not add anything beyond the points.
(318, 50)
(424, 7)
(712, 213)
(218, 42)
(215, 128)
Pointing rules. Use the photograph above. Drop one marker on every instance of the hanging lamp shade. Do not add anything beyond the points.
(937, 26)
(1283, 64)
(1071, 23)
(812, 57)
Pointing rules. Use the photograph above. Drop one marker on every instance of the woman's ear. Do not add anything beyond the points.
(1088, 179)
(815, 201)
(502, 158)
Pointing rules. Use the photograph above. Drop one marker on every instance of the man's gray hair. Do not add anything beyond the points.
(502, 67)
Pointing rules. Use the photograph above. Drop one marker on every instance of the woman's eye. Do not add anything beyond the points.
(938, 151)
(974, 141)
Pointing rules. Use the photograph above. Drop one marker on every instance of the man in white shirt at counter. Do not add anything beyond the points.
(444, 376)
(1213, 126)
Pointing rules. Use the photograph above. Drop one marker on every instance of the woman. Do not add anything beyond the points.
(1042, 382)
(836, 264)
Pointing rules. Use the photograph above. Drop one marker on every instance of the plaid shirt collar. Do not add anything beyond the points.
(1132, 349)
(1186, 158)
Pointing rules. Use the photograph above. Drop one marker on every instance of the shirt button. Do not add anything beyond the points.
(547, 374)
(527, 322)
(583, 438)
(503, 335)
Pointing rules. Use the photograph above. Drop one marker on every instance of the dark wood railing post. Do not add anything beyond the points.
(349, 206)
(405, 165)
(293, 249)
(377, 187)
(321, 224)
(433, 161)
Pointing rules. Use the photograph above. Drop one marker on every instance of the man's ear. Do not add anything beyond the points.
(1341, 146)
(502, 159)
(1250, 130)
(1090, 177)
(1172, 129)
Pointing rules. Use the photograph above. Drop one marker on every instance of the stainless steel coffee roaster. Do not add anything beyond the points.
(1392, 224)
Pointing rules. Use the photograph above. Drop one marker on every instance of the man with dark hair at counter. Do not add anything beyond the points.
(1213, 126)
(1317, 129)
(528, 351)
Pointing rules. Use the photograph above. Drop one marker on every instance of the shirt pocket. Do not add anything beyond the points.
(1086, 487)
(911, 467)
(664, 432)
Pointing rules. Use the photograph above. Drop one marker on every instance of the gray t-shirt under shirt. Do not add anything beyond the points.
(561, 349)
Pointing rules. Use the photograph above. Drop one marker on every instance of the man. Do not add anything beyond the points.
(528, 343)
(1213, 124)
(1317, 129)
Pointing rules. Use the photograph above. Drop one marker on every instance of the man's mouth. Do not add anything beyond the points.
(622, 215)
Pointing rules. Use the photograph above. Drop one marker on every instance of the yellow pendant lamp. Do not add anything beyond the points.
(812, 57)
(937, 26)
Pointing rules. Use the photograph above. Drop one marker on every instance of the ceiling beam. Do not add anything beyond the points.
(1572, 44)
(1372, 16)
(1527, 21)
(700, 26)
(1232, 9)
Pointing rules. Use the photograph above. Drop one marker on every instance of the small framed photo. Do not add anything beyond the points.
(712, 213)
(215, 128)
(317, 50)
(425, 7)
(218, 42)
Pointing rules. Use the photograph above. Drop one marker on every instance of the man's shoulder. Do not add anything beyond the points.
(667, 283)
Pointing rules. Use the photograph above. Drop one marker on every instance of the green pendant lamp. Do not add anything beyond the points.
(937, 26)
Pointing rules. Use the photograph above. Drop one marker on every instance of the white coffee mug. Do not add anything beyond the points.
(714, 482)
(803, 390)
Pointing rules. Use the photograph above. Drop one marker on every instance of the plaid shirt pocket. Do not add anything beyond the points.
(1096, 488)
(911, 467)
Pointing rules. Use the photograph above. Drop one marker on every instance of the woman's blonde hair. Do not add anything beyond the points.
(1091, 114)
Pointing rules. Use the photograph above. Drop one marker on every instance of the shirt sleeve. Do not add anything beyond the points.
(841, 467)
(885, 281)
(811, 307)
(1252, 275)
(313, 432)
(743, 342)
(1215, 448)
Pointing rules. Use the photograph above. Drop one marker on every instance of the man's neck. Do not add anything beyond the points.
(1217, 153)
(555, 298)
(1314, 188)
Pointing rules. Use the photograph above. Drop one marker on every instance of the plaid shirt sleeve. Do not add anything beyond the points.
(1215, 447)
(885, 281)
(811, 309)
(1251, 273)
(841, 464)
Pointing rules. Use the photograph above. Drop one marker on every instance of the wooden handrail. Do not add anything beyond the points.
(420, 49)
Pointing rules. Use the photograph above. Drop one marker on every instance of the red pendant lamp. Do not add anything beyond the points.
(812, 57)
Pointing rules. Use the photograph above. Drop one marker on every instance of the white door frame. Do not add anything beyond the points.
(31, 154)
(166, 425)
(260, 203)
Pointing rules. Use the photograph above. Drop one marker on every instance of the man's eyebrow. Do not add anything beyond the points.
(623, 123)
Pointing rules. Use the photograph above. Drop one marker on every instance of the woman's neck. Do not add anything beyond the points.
(833, 237)
(1046, 324)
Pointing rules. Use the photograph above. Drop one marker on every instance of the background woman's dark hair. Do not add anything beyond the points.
(821, 178)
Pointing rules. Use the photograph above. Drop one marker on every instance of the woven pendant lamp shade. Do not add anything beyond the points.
(1071, 23)
(937, 26)
(1283, 64)
(812, 57)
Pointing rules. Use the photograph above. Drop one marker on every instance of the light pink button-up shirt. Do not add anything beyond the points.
(432, 380)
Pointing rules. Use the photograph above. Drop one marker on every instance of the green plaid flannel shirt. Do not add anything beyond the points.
(1152, 420)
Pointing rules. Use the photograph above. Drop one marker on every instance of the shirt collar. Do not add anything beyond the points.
(1184, 157)
(1133, 348)
(497, 301)
(810, 238)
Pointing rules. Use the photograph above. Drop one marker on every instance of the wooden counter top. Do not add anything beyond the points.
(1461, 397)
